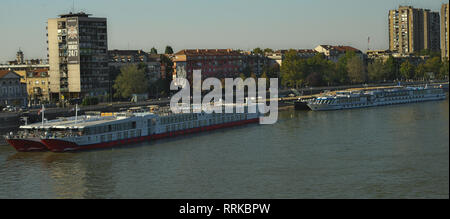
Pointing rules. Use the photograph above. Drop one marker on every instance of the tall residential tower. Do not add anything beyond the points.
(77, 50)
(444, 31)
(412, 30)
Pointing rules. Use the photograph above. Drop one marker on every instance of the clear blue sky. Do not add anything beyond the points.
(244, 24)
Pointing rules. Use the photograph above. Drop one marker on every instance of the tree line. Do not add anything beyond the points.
(352, 68)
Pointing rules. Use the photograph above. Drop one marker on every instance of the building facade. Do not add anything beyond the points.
(334, 53)
(219, 63)
(38, 89)
(444, 31)
(119, 58)
(12, 91)
(22, 66)
(77, 49)
(412, 30)
(277, 57)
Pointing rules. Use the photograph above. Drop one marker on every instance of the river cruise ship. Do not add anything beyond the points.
(104, 130)
(378, 97)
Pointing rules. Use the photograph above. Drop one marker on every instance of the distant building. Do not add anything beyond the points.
(412, 30)
(119, 58)
(378, 54)
(12, 91)
(219, 63)
(334, 53)
(444, 31)
(38, 89)
(254, 63)
(22, 66)
(77, 49)
(277, 57)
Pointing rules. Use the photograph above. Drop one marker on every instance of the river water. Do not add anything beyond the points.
(399, 151)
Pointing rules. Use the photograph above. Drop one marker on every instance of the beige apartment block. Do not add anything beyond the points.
(413, 30)
(444, 31)
(77, 50)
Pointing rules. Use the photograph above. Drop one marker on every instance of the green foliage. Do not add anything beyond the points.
(131, 80)
(90, 101)
(258, 51)
(356, 70)
(443, 71)
(393, 68)
(168, 64)
(377, 71)
(427, 52)
(268, 50)
(420, 73)
(153, 50)
(407, 70)
(433, 65)
(247, 71)
(272, 71)
(292, 70)
(296, 71)
(142, 66)
(169, 50)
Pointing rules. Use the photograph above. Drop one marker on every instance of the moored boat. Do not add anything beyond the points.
(377, 97)
(122, 128)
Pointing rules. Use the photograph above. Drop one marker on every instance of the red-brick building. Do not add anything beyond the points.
(219, 63)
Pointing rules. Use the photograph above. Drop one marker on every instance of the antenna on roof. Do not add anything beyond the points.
(73, 6)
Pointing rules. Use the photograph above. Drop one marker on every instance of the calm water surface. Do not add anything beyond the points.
(399, 151)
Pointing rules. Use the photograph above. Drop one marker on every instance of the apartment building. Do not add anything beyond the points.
(78, 56)
(413, 29)
(119, 58)
(219, 63)
(444, 31)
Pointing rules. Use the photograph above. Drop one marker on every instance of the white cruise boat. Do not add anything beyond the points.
(113, 129)
(379, 97)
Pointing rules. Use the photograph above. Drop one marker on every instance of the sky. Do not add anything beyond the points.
(189, 24)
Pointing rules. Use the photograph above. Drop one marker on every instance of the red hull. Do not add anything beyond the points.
(62, 146)
(23, 145)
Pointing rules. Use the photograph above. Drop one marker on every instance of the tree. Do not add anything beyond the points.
(314, 79)
(272, 71)
(153, 50)
(258, 51)
(433, 65)
(420, 72)
(356, 70)
(247, 71)
(407, 70)
(392, 68)
(443, 71)
(292, 70)
(169, 50)
(268, 50)
(376, 70)
(131, 80)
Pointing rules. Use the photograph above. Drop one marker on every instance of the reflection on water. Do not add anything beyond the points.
(396, 151)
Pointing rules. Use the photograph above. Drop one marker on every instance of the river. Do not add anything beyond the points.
(399, 151)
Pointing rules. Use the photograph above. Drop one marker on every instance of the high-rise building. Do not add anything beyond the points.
(444, 31)
(413, 29)
(77, 50)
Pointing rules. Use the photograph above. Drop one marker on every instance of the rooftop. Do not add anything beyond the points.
(70, 14)
(195, 52)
